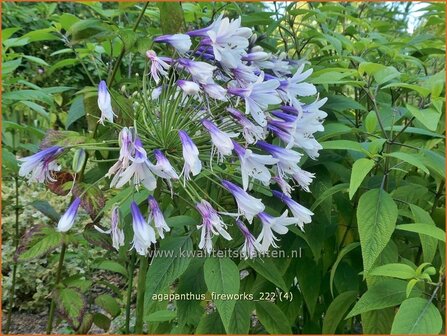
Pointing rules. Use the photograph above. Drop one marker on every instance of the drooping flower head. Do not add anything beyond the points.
(158, 66)
(180, 42)
(250, 131)
(272, 225)
(190, 153)
(143, 233)
(67, 220)
(115, 232)
(300, 213)
(220, 139)
(248, 205)
(211, 225)
(105, 103)
(40, 166)
(251, 247)
(157, 217)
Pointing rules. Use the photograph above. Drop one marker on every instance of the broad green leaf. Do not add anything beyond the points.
(109, 304)
(383, 294)
(45, 208)
(36, 60)
(167, 267)
(22, 95)
(309, 280)
(337, 310)
(171, 17)
(102, 321)
(360, 169)
(412, 159)
(267, 268)
(345, 250)
(377, 321)
(10, 66)
(76, 111)
(328, 193)
(222, 277)
(425, 229)
(71, 304)
(429, 244)
(36, 107)
(417, 316)
(41, 243)
(9, 160)
(343, 145)
(434, 161)
(376, 218)
(161, 316)
(429, 117)
(395, 270)
(240, 321)
(272, 318)
(419, 89)
(110, 265)
(210, 324)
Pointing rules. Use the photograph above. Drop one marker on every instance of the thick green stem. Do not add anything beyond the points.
(129, 291)
(140, 295)
(58, 279)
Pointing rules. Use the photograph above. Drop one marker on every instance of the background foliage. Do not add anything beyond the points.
(373, 259)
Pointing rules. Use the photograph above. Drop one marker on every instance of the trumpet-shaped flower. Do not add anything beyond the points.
(192, 164)
(220, 139)
(258, 96)
(292, 87)
(288, 158)
(188, 87)
(163, 167)
(251, 247)
(40, 166)
(105, 103)
(180, 42)
(157, 217)
(250, 131)
(201, 72)
(300, 213)
(215, 91)
(254, 165)
(116, 233)
(282, 183)
(303, 178)
(272, 225)
(67, 220)
(211, 225)
(127, 149)
(248, 205)
(139, 171)
(143, 233)
(158, 66)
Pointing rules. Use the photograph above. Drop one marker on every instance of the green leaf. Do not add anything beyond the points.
(337, 310)
(343, 145)
(171, 17)
(425, 229)
(10, 66)
(110, 265)
(222, 277)
(42, 242)
(395, 270)
(429, 117)
(9, 160)
(328, 193)
(22, 95)
(36, 107)
(383, 294)
(417, 316)
(411, 159)
(419, 89)
(102, 321)
(360, 170)
(377, 321)
(45, 208)
(167, 267)
(429, 244)
(161, 316)
(240, 321)
(76, 111)
(267, 268)
(36, 60)
(376, 218)
(71, 304)
(272, 318)
(109, 304)
(345, 250)
(309, 279)
(210, 324)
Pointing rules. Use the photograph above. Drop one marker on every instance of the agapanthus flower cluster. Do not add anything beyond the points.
(223, 109)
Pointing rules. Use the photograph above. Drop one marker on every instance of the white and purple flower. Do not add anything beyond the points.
(143, 233)
(40, 166)
(220, 139)
(272, 225)
(192, 164)
(105, 103)
(115, 232)
(251, 247)
(180, 42)
(211, 225)
(157, 217)
(67, 220)
(158, 66)
(300, 213)
(248, 205)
